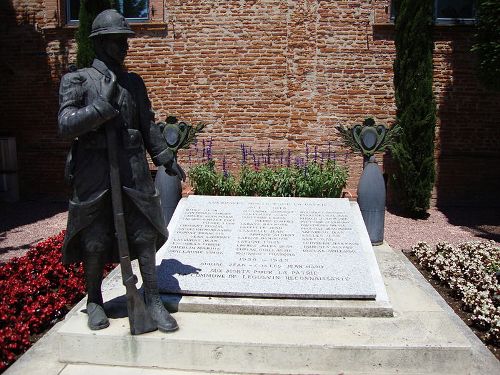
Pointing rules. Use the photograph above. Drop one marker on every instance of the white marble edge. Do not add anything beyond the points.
(369, 253)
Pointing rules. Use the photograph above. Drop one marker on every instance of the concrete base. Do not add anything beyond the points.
(420, 338)
(381, 307)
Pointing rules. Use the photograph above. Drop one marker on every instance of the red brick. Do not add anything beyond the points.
(269, 71)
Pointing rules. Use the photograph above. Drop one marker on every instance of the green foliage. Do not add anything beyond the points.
(416, 107)
(89, 9)
(225, 184)
(266, 180)
(248, 181)
(203, 178)
(284, 182)
(207, 181)
(487, 43)
(333, 180)
(312, 180)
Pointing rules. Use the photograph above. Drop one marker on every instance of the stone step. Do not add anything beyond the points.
(416, 342)
(85, 369)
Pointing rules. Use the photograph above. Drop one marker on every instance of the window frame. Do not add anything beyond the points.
(70, 21)
(454, 21)
(441, 20)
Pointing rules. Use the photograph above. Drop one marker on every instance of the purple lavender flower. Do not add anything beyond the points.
(269, 153)
(203, 156)
(289, 158)
(315, 154)
(196, 150)
(281, 157)
(209, 150)
(225, 172)
(243, 154)
(307, 153)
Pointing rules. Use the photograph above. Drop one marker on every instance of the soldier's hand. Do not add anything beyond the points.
(108, 85)
(175, 170)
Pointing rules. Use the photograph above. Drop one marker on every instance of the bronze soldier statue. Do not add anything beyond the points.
(96, 101)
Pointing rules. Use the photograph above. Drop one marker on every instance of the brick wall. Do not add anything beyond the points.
(468, 152)
(260, 72)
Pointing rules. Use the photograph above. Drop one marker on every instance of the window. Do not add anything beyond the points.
(455, 11)
(133, 10)
(450, 11)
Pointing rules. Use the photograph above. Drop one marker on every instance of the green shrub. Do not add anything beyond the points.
(225, 184)
(312, 180)
(248, 181)
(89, 9)
(416, 108)
(203, 178)
(487, 43)
(285, 182)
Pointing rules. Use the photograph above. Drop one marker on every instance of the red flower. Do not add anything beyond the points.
(35, 291)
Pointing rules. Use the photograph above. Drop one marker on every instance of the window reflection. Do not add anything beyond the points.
(455, 9)
(446, 11)
(131, 9)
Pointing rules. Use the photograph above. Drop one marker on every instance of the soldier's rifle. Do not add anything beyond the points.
(139, 318)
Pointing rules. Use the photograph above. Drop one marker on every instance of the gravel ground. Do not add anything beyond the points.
(25, 223)
(453, 225)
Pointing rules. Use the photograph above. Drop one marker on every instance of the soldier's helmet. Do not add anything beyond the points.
(110, 21)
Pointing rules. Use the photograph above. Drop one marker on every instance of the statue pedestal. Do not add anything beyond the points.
(413, 333)
(419, 338)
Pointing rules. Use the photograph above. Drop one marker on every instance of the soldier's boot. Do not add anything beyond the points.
(93, 264)
(154, 305)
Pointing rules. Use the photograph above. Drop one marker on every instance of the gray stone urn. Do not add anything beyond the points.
(371, 200)
(368, 139)
(170, 189)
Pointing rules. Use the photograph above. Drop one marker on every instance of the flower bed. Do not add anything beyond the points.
(36, 290)
(470, 271)
(269, 173)
(309, 180)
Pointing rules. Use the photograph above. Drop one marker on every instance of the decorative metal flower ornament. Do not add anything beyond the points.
(179, 134)
(368, 138)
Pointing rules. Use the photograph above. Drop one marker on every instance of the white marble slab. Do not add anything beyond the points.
(266, 247)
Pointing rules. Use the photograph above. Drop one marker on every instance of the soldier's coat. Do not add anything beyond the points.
(82, 116)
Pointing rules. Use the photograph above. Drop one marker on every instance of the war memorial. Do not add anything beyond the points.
(250, 285)
(252, 296)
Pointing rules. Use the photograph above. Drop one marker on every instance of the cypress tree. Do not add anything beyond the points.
(413, 153)
(487, 43)
(89, 9)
